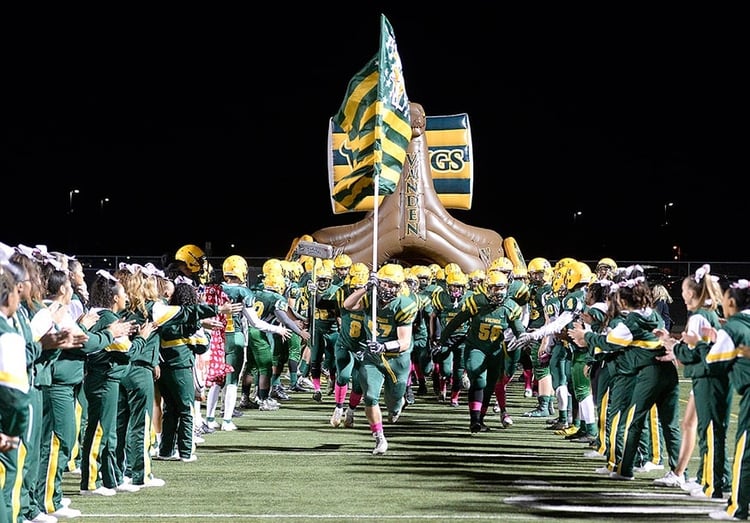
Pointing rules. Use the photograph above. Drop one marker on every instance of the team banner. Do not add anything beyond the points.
(375, 127)
(449, 146)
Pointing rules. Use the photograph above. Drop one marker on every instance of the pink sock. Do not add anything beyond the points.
(316, 383)
(339, 393)
(376, 427)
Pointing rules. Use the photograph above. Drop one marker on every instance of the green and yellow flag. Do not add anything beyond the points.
(450, 150)
(375, 119)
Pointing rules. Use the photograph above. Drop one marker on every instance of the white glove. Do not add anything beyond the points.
(520, 342)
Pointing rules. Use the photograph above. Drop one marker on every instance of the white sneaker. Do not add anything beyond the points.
(496, 407)
(648, 467)
(173, 457)
(305, 382)
(620, 477)
(338, 413)
(213, 424)
(44, 518)
(670, 479)
(465, 382)
(228, 426)
(381, 444)
(603, 470)
(197, 439)
(66, 512)
(192, 458)
(721, 515)
(101, 491)
(65, 502)
(528, 393)
(592, 454)
(154, 482)
(127, 487)
(691, 485)
(699, 494)
(268, 404)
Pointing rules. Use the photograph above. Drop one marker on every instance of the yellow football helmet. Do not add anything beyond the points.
(391, 272)
(323, 274)
(578, 272)
(539, 265)
(272, 265)
(194, 258)
(274, 281)
(411, 279)
(308, 262)
(390, 278)
(522, 273)
(605, 269)
(452, 267)
(560, 273)
(564, 262)
(476, 278)
(342, 261)
(296, 270)
(286, 268)
(456, 283)
(477, 274)
(496, 285)
(236, 266)
(540, 270)
(456, 278)
(423, 274)
(358, 275)
(501, 264)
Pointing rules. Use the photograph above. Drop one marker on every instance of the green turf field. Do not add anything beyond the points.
(291, 465)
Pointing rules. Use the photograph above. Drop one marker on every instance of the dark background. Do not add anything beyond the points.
(211, 126)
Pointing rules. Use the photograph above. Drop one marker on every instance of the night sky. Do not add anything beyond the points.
(214, 129)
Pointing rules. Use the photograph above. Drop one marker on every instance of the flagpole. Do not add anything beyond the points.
(376, 194)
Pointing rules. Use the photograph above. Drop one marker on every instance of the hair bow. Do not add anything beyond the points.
(701, 272)
(151, 270)
(25, 250)
(6, 251)
(53, 261)
(131, 268)
(740, 284)
(183, 279)
(631, 282)
(104, 274)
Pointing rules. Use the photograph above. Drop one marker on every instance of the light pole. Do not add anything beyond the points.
(102, 202)
(667, 206)
(71, 193)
